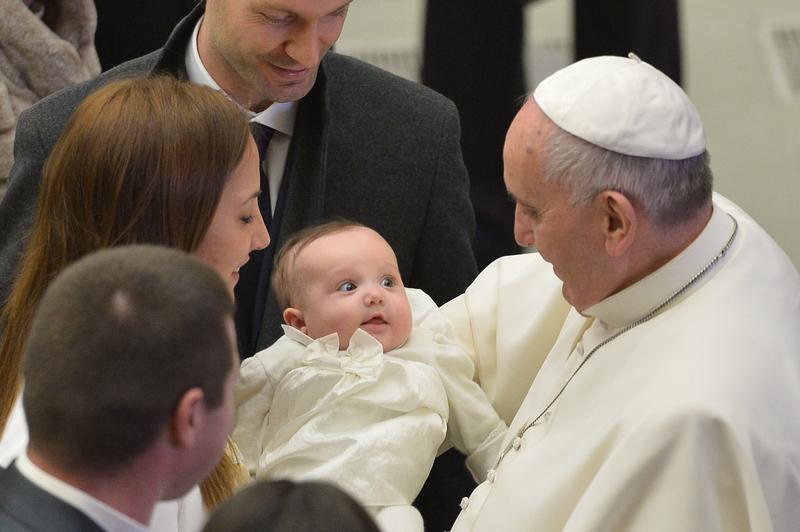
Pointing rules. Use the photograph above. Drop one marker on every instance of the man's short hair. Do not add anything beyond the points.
(670, 191)
(117, 340)
(284, 284)
(288, 505)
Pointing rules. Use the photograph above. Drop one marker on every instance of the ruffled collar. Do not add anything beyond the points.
(363, 355)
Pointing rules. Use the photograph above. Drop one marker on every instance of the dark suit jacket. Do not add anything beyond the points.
(367, 145)
(24, 507)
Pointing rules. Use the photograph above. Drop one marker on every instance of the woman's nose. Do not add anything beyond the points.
(261, 237)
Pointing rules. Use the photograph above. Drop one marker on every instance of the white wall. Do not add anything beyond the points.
(753, 131)
(753, 127)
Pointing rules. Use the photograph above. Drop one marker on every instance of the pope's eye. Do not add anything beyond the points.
(346, 286)
(532, 213)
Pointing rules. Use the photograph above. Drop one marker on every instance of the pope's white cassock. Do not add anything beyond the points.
(681, 418)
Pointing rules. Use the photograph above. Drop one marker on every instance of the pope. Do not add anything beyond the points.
(647, 358)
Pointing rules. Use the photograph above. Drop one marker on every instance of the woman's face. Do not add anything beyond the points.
(237, 227)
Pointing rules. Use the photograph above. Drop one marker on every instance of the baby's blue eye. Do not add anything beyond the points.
(346, 286)
(387, 282)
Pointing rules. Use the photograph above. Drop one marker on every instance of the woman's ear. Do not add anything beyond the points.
(188, 418)
(620, 221)
(294, 318)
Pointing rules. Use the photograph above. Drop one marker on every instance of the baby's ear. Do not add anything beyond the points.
(294, 318)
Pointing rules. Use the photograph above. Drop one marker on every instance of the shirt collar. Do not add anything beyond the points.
(643, 296)
(360, 339)
(280, 116)
(108, 518)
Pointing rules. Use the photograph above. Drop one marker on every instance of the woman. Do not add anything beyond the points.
(141, 161)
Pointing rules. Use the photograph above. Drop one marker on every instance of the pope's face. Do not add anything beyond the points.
(565, 234)
(266, 51)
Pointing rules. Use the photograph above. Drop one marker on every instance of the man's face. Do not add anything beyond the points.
(220, 418)
(266, 51)
(566, 235)
(215, 427)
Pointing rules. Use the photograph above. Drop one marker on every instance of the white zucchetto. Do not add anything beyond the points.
(624, 105)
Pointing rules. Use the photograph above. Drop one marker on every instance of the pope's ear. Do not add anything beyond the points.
(620, 221)
(294, 318)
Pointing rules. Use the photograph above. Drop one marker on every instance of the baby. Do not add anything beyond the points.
(366, 382)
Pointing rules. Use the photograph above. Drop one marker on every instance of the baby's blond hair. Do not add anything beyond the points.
(284, 284)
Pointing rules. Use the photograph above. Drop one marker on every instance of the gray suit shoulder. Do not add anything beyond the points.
(354, 82)
(53, 111)
(25, 507)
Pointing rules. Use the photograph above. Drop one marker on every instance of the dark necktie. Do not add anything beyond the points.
(262, 135)
(253, 282)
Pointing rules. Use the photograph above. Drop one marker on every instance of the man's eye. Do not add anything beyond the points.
(387, 282)
(278, 20)
(248, 219)
(346, 286)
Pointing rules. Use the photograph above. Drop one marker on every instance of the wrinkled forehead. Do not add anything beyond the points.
(529, 129)
(300, 7)
(525, 147)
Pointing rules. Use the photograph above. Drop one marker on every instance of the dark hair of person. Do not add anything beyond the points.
(118, 338)
(284, 285)
(287, 506)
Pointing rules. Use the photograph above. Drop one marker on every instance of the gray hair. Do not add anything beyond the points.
(670, 191)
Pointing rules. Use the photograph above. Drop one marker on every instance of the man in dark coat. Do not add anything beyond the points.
(357, 142)
(363, 144)
(130, 367)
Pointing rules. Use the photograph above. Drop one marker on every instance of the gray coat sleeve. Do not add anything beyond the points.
(444, 264)
(18, 207)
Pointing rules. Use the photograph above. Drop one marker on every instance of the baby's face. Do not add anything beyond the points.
(350, 280)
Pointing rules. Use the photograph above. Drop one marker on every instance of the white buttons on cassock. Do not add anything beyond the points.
(490, 476)
(464, 503)
(517, 443)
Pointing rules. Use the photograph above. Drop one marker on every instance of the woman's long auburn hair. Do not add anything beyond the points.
(142, 160)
